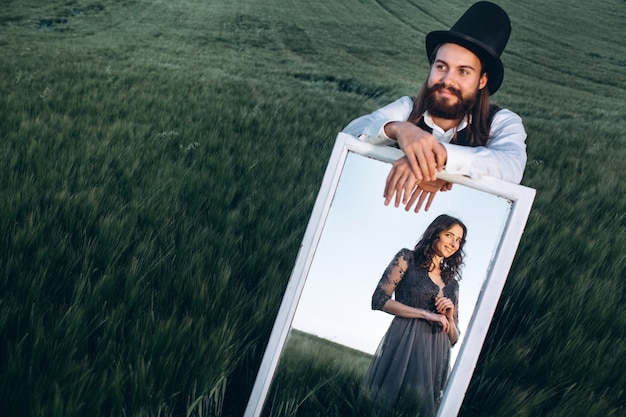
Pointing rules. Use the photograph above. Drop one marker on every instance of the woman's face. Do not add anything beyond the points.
(449, 241)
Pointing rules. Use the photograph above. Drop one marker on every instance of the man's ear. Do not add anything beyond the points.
(483, 80)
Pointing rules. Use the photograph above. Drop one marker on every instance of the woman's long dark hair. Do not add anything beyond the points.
(479, 116)
(424, 250)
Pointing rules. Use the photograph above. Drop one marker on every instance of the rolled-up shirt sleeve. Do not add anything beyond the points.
(504, 157)
(370, 128)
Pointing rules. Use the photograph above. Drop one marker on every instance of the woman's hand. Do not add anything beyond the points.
(445, 306)
(439, 319)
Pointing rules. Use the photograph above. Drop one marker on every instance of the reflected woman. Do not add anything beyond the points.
(411, 365)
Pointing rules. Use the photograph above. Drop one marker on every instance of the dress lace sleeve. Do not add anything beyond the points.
(390, 279)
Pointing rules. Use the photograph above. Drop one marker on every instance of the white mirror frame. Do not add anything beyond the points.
(521, 198)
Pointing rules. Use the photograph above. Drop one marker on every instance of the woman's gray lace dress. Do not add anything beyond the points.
(411, 365)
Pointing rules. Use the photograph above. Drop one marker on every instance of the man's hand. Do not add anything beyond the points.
(402, 184)
(426, 156)
(426, 191)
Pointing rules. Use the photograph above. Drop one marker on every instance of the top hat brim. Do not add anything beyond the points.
(491, 60)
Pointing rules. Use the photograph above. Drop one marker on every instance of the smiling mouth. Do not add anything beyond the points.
(446, 91)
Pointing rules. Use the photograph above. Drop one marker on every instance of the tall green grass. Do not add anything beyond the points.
(159, 161)
(316, 378)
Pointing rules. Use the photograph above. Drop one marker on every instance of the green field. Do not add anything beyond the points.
(316, 377)
(159, 161)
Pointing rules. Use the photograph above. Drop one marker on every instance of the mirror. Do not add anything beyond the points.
(351, 238)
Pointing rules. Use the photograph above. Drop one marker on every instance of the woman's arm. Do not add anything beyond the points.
(402, 310)
(381, 299)
(446, 307)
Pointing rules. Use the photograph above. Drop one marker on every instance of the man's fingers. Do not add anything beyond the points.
(440, 156)
(390, 184)
(431, 166)
(395, 185)
(400, 182)
(409, 186)
(414, 162)
(420, 201)
(398, 192)
(400, 186)
(417, 198)
(411, 201)
(422, 164)
(446, 187)
(431, 197)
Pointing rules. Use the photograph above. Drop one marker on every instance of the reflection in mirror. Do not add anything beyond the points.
(360, 238)
(329, 331)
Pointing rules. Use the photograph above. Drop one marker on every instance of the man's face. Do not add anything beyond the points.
(454, 80)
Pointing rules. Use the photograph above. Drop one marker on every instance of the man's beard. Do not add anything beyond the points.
(442, 109)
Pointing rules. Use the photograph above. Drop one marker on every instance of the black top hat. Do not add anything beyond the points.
(484, 29)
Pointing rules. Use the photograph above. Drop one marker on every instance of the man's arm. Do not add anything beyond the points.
(371, 127)
(377, 128)
(504, 157)
(425, 154)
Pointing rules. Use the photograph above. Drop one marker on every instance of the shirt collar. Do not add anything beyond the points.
(447, 133)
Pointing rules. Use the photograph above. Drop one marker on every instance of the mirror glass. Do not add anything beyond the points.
(326, 332)
(360, 238)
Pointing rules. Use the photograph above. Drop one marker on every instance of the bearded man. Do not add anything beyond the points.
(451, 125)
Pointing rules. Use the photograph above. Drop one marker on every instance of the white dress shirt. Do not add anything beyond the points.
(503, 157)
